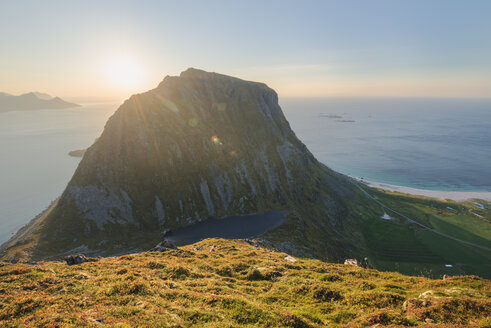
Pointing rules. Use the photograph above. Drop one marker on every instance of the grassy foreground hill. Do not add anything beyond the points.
(235, 285)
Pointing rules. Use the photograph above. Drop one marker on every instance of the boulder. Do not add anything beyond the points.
(77, 259)
(252, 242)
(163, 245)
(13, 260)
(290, 259)
(351, 262)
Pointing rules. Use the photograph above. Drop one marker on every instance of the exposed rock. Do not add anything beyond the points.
(77, 275)
(253, 242)
(163, 245)
(351, 262)
(13, 260)
(77, 153)
(78, 259)
(290, 259)
(213, 248)
(100, 204)
(82, 276)
(426, 294)
(160, 214)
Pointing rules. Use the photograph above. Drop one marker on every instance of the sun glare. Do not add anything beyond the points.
(125, 73)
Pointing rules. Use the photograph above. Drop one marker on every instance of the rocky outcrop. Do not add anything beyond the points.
(163, 245)
(201, 145)
(351, 262)
(77, 259)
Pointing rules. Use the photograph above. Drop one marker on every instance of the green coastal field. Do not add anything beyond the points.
(444, 237)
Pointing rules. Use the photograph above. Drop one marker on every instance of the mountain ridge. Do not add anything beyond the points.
(201, 145)
(32, 101)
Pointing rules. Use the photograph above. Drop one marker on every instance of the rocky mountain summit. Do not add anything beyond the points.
(201, 145)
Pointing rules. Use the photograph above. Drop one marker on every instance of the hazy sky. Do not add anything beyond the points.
(300, 48)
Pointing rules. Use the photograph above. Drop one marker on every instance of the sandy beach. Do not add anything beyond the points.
(454, 195)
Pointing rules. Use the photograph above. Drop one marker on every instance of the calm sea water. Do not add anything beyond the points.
(421, 143)
(34, 162)
(435, 144)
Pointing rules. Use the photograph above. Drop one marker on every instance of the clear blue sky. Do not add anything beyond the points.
(300, 48)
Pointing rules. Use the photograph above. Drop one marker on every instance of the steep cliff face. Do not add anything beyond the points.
(199, 145)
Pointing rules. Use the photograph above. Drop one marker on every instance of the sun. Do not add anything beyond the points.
(125, 72)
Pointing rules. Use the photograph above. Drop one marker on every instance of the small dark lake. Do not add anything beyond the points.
(230, 227)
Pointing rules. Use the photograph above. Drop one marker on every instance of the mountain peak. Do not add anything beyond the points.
(201, 145)
(192, 75)
(39, 95)
(42, 95)
(196, 72)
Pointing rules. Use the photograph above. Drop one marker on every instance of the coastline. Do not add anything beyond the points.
(439, 194)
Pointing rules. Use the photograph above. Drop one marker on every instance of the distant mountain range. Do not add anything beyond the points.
(32, 100)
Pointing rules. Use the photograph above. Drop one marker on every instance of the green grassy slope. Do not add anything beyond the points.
(238, 285)
(447, 232)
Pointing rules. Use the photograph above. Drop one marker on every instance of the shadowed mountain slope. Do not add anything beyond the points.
(198, 146)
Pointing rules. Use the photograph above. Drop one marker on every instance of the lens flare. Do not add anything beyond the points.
(216, 140)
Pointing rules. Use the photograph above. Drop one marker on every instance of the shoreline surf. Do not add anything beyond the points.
(439, 194)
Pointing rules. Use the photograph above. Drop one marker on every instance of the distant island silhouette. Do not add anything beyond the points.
(32, 100)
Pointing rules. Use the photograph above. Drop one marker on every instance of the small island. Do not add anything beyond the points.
(32, 101)
(77, 153)
(330, 115)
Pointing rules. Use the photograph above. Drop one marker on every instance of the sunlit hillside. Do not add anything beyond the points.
(220, 283)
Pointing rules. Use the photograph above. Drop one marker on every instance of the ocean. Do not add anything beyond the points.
(34, 162)
(437, 144)
(434, 144)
